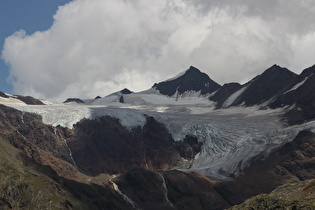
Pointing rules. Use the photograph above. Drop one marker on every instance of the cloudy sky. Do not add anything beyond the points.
(96, 47)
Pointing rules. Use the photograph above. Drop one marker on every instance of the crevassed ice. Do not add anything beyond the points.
(231, 141)
(230, 137)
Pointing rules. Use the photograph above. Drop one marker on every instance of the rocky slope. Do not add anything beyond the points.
(170, 190)
(76, 100)
(277, 87)
(26, 184)
(263, 88)
(43, 143)
(224, 93)
(300, 95)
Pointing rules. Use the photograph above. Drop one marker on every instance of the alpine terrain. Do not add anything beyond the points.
(185, 143)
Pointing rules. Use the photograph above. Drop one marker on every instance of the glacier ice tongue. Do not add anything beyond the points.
(231, 137)
(230, 141)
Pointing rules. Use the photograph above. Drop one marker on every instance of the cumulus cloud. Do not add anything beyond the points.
(96, 47)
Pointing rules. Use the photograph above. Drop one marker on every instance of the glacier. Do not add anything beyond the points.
(231, 137)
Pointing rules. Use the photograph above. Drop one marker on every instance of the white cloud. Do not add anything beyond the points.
(96, 47)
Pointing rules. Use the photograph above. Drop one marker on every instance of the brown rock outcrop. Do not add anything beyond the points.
(105, 146)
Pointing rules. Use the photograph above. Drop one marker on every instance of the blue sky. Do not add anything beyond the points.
(86, 48)
(29, 15)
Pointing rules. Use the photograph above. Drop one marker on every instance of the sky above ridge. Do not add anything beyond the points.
(85, 48)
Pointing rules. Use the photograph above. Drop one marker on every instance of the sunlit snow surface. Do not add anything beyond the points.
(231, 137)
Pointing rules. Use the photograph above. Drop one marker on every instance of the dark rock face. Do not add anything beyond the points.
(126, 91)
(77, 100)
(26, 99)
(26, 126)
(3, 95)
(105, 146)
(269, 84)
(224, 92)
(29, 100)
(121, 99)
(189, 147)
(192, 80)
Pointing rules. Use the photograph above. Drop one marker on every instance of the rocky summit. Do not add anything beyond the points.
(186, 143)
(191, 80)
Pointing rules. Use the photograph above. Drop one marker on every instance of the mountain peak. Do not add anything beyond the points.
(193, 69)
(267, 85)
(190, 80)
(3, 95)
(276, 68)
(126, 91)
(308, 71)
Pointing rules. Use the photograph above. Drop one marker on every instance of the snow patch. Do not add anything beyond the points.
(230, 100)
(177, 76)
(11, 101)
(298, 85)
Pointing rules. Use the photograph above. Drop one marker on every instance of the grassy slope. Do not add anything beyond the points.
(25, 184)
(299, 195)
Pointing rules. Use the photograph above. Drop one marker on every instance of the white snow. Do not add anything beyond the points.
(11, 101)
(298, 85)
(68, 115)
(177, 76)
(230, 100)
(189, 93)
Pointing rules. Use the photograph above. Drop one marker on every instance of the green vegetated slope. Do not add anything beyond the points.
(299, 195)
(25, 184)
